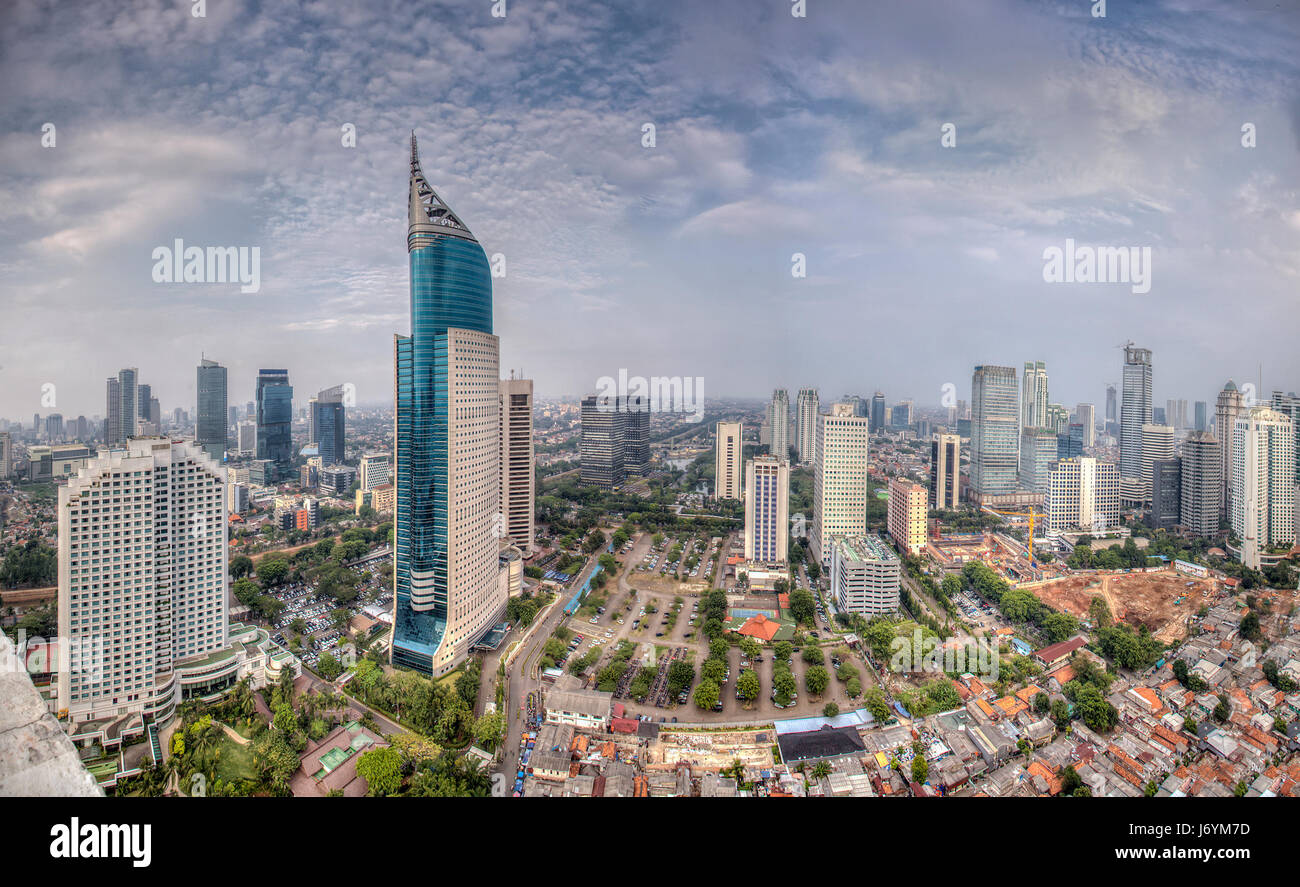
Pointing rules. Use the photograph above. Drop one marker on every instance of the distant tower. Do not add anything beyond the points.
(778, 420)
(1135, 411)
(809, 408)
(727, 460)
(1227, 408)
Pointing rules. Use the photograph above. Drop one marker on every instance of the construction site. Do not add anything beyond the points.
(714, 750)
(1160, 600)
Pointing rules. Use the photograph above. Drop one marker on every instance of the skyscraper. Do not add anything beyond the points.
(601, 451)
(878, 412)
(1082, 494)
(447, 593)
(809, 408)
(142, 580)
(636, 434)
(945, 471)
(728, 450)
(210, 428)
(1086, 415)
(905, 514)
(1201, 484)
(122, 406)
(1135, 411)
(1226, 410)
(995, 427)
(1289, 405)
(1166, 493)
(327, 417)
(1034, 395)
(1202, 417)
(778, 420)
(275, 419)
(1157, 443)
(839, 479)
(1111, 414)
(1263, 482)
(518, 491)
(767, 510)
(1038, 450)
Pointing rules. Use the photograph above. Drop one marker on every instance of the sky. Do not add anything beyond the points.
(774, 135)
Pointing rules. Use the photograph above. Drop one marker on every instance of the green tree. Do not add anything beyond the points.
(381, 768)
(706, 695)
(748, 685)
(817, 679)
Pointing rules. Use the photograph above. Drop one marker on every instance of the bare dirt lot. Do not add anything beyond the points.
(1136, 599)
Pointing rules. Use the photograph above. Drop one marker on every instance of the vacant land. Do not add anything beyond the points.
(1160, 601)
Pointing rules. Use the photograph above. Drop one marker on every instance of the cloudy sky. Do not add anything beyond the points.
(774, 135)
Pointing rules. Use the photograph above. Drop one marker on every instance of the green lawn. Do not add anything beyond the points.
(236, 761)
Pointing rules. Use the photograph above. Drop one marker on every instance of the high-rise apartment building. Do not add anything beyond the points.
(1034, 395)
(767, 510)
(449, 589)
(1263, 482)
(1226, 410)
(995, 429)
(6, 454)
(840, 479)
(275, 419)
(211, 425)
(945, 471)
(1289, 405)
(778, 421)
(327, 417)
(865, 576)
(142, 580)
(1135, 411)
(809, 408)
(905, 517)
(374, 470)
(728, 450)
(1176, 413)
(1082, 494)
(1201, 484)
(518, 484)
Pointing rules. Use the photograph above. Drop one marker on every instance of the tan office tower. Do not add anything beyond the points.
(6, 454)
(1263, 482)
(1226, 410)
(1082, 494)
(840, 479)
(945, 471)
(767, 510)
(905, 517)
(1157, 443)
(518, 489)
(728, 450)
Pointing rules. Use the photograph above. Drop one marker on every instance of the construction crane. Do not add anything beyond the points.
(1029, 514)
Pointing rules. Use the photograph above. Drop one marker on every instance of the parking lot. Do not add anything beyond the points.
(315, 610)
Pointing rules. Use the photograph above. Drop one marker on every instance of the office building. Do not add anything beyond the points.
(237, 498)
(1176, 413)
(767, 510)
(517, 482)
(1034, 395)
(1289, 405)
(900, 415)
(1200, 484)
(945, 471)
(905, 516)
(1263, 483)
(54, 428)
(1111, 414)
(328, 423)
(728, 450)
(778, 421)
(636, 435)
(211, 425)
(1135, 411)
(275, 420)
(246, 437)
(375, 469)
(809, 408)
(865, 576)
(1069, 444)
(1166, 493)
(1086, 415)
(1082, 494)
(840, 479)
(6, 454)
(122, 406)
(878, 412)
(448, 588)
(132, 616)
(603, 443)
(1157, 443)
(1038, 450)
(995, 430)
(1202, 417)
(336, 479)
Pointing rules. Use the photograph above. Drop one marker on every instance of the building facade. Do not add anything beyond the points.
(1082, 494)
(865, 576)
(327, 415)
(275, 420)
(728, 449)
(778, 421)
(1227, 408)
(1263, 482)
(906, 514)
(995, 429)
(1034, 395)
(840, 479)
(1201, 484)
(1038, 450)
(210, 428)
(604, 429)
(1135, 410)
(518, 484)
(809, 408)
(767, 510)
(945, 471)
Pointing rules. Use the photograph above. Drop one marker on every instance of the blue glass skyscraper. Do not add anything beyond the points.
(275, 419)
(445, 557)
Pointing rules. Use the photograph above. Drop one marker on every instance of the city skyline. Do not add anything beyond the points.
(614, 242)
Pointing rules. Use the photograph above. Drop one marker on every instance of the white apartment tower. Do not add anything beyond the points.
(1034, 395)
(767, 510)
(840, 478)
(778, 422)
(809, 408)
(1157, 444)
(1082, 494)
(1263, 482)
(374, 470)
(1226, 410)
(518, 475)
(729, 449)
(142, 577)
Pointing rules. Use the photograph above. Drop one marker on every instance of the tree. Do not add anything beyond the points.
(920, 769)
(240, 566)
(784, 687)
(802, 606)
(813, 655)
(272, 572)
(830, 710)
(489, 730)
(680, 675)
(817, 679)
(748, 685)
(706, 695)
(381, 768)
(285, 720)
(329, 666)
(783, 651)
